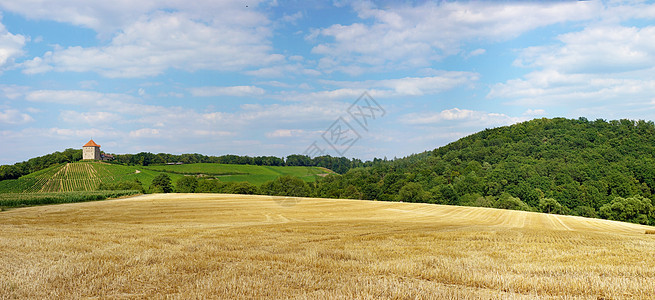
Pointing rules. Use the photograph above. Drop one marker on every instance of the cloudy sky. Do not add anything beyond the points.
(287, 77)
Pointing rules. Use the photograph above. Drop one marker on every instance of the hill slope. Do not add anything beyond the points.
(555, 165)
(256, 175)
(239, 246)
(87, 176)
(68, 177)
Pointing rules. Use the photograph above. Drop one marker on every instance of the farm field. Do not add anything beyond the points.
(78, 176)
(256, 175)
(236, 246)
(87, 176)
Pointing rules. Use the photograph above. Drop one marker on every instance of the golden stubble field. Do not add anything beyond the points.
(235, 246)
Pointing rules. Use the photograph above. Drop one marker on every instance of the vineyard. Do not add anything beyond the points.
(69, 177)
(87, 176)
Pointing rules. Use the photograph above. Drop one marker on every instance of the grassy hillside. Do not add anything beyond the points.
(237, 246)
(256, 175)
(87, 176)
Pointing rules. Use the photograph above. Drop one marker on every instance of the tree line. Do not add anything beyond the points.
(336, 164)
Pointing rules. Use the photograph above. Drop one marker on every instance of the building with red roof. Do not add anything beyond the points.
(91, 150)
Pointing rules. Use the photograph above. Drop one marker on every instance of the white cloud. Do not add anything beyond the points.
(106, 17)
(415, 86)
(239, 91)
(411, 36)
(601, 70)
(77, 97)
(11, 46)
(157, 42)
(602, 49)
(471, 117)
(144, 133)
(286, 69)
(14, 117)
(75, 133)
(292, 18)
(476, 52)
(12, 91)
(91, 118)
(213, 133)
(534, 112)
(284, 133)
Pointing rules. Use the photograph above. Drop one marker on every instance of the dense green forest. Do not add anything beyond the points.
(589, 168)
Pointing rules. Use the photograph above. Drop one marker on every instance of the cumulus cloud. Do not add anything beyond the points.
(588, 71)
(107, 17)
(77, 97)
(597, 49)
(534, 112)
(144, 133)
(411, 36)
(414, 86)
(285, 133)
(91, 118)
(163, 40)
(11, 46)
(14, 117)
(473, 117)
(239, 91)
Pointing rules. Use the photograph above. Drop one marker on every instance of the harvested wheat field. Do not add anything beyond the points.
(235, 246)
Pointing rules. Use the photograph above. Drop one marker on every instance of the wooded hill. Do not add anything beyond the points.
(588, 168)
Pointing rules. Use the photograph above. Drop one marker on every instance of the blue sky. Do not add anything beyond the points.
(274, 77)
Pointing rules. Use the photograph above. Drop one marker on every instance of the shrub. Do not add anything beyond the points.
(551, 206)
(412, 192)
(506, 201)
(286, 186)
(187, 184)
(161, 184)
(635, 209)
(241, 188)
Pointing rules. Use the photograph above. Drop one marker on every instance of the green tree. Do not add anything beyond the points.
(551, 206)
(412, 192)
(635, 209)
(210, 186)
(245, 188)
(161, 184)
(286, 186)
(506, 201)
(187, 184)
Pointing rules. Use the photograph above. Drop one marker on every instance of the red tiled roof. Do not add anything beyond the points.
(91, 143)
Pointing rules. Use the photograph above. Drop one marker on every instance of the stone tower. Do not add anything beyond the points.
(91, 150)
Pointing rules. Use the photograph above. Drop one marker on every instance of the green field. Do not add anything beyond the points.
(256, 175)
(87, 176)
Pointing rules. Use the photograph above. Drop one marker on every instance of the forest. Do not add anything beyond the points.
(588, 168)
